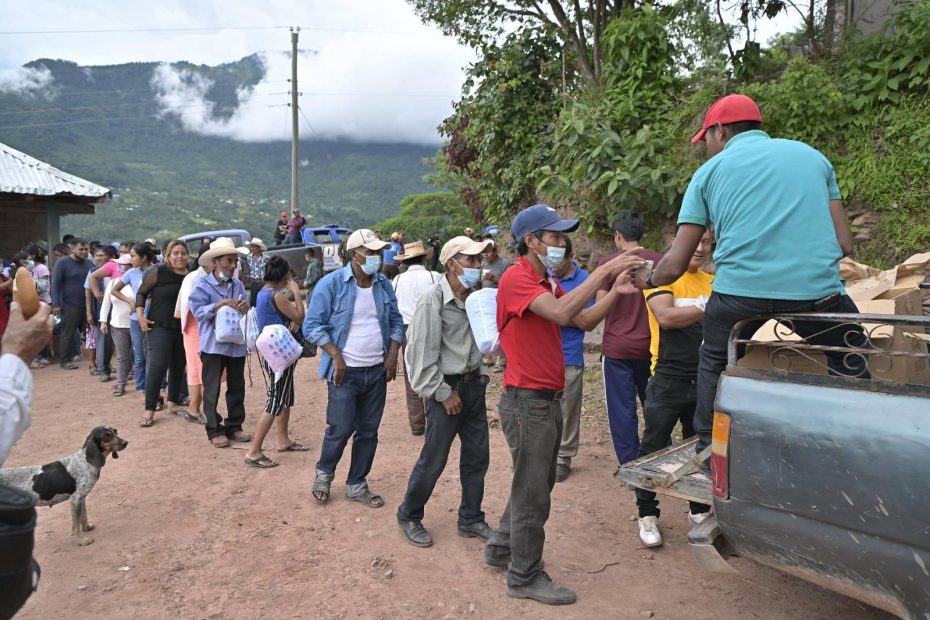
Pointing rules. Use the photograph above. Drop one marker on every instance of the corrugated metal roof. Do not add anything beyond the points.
(22, 174)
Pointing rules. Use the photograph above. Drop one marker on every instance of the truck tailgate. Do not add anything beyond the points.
(661, 472)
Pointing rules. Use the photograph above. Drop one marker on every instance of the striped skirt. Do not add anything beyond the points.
(280, 393)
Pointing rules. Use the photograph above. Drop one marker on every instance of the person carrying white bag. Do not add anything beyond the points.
(280, 312)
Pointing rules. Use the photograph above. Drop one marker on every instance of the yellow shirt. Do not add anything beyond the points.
(688, 287)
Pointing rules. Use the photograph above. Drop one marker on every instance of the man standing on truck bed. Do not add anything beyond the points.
(675, 314)
(530, 309)
(781, 231)
(294, 227)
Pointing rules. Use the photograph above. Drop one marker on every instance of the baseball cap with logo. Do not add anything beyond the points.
(539, 217)
(729, 109)
(367, 239)
(462, 245)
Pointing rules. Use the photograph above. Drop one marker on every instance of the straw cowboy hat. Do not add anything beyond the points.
(248, 244)
(221, 246)
(412, 250)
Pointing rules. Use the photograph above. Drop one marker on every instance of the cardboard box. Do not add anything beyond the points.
(892, 291)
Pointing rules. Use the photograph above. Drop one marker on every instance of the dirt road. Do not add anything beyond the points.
(185, 530)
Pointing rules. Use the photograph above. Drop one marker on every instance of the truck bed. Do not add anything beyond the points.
(655, 472)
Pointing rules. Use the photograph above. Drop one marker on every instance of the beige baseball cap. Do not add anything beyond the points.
(366, 238)
(462, 245)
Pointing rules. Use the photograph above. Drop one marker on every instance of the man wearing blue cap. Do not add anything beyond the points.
(530, 309)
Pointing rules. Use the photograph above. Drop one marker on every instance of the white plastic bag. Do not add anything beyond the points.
(278, 348)
(226, 326)
(249, 326)
(481, 308)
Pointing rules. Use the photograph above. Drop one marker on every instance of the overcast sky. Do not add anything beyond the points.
(395, 82)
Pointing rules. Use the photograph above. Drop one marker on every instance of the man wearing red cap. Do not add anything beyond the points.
(781, 231)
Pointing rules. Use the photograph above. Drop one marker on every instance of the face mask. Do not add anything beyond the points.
(554, 256)
(30, 265)
(42, 285)
(469, 277)
(224, 278)
(371, 265)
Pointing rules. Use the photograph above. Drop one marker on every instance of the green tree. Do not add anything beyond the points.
(422, 215)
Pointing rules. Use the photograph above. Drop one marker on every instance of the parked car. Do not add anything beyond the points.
(823, 477)
(329, 238)
(294, 253)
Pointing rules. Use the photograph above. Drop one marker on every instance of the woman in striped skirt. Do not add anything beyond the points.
(278, 303)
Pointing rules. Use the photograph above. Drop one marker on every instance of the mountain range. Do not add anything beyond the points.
(108, 124)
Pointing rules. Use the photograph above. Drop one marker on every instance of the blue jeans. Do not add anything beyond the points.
(138, 354)
(723, 312)
(624, 380)
(354, 410)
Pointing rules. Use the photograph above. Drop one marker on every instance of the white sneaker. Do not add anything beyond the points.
(698, 518)
(649, 531)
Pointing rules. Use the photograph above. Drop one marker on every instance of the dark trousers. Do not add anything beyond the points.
(471, 427)
(254, 287)
(624, 380)
(354, 410)
(104, 350)
(416, 406)
(723, 312)
(669, 401)
(213, 367)
(72, 320)
(165, 357)
(533, 429)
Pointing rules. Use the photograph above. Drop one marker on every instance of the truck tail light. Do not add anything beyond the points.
(720, 455)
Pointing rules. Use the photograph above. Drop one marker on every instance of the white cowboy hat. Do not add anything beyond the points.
(221, 246)
(255, 241)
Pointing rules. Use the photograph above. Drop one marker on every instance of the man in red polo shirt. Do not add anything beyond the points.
(530, 309)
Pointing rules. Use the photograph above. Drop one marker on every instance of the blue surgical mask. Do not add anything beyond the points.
(469, 276)
(224, 278)
(372, 264)
(554, 256)
(31, 264)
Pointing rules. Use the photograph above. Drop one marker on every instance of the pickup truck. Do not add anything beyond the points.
(328, 237)
(823, 477)
(294, 253)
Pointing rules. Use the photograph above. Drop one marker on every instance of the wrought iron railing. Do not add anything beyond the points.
(877, 346)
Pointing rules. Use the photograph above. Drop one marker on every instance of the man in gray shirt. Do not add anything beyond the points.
(493, 266)
(445, 369)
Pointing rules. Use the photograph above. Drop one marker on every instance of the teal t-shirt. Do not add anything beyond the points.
(768, 200)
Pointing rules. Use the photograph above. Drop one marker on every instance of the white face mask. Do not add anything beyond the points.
(371, 265)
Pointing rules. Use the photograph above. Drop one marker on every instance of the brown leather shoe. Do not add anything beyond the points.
(240, 436)
(220, 442)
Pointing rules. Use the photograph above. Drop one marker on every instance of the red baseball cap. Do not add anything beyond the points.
(729, 109)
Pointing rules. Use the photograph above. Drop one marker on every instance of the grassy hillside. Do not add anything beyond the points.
(168, 181)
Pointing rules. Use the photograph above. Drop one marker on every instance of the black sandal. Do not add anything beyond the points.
(262, 462)
(159, 404)
(320, 490)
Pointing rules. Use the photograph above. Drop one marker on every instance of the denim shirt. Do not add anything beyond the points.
(329, 315)
(202, 304)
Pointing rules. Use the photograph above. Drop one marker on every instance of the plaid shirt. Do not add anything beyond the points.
(257, 267)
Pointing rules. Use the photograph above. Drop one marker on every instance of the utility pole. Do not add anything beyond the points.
(295, 139)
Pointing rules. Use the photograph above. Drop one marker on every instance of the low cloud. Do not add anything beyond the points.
(352, 89)
(27, 82)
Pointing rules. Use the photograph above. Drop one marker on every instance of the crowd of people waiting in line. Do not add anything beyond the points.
(769, 210)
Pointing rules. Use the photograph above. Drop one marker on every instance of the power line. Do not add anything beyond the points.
(309, 124)
(216, 29)
(128, 118)
(104, 107)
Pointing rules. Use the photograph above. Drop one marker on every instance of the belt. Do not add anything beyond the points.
(529, 394)
(467, 377)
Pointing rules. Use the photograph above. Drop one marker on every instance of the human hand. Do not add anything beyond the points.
(146, 324)
(98, 295)
(90, 318)
(104, 328)
(339, 369)
(56, 311)
(621, 263)
(390, 368)
(239, 304)
(453, 404)
(623, 285)
(25, 338)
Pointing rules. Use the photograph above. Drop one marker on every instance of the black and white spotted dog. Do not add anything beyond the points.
(72, 477)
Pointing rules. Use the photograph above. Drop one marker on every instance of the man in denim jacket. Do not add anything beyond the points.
(353, 318)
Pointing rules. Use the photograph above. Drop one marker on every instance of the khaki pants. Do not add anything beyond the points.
(416, 409)
(571, 413)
